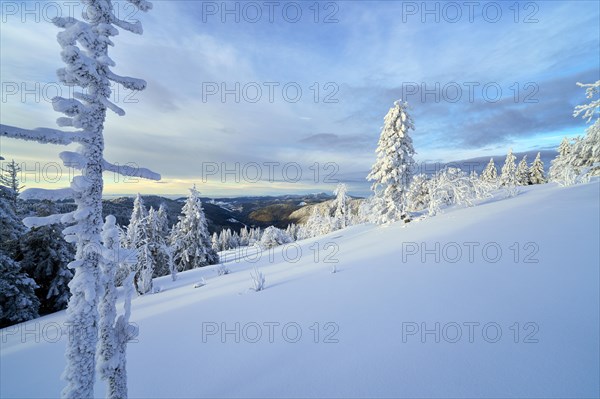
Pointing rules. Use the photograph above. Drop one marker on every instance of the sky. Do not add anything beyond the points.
(265, 98)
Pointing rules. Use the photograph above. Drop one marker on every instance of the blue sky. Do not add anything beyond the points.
(477, 82)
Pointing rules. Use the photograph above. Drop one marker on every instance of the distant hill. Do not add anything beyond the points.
(222, 213)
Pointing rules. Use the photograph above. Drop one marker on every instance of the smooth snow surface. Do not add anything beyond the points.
(380, 293)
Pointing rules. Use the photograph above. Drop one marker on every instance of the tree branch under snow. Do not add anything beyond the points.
(44, 135)
(47, 220)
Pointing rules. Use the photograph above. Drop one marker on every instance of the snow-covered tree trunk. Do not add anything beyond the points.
(85, 52)
(110, 350)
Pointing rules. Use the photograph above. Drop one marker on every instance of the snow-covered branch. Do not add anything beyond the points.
(45, 221)
(126, 170)
(73, 159)
(112, 106)
(591, 109)
(127, 82)
(44, 135)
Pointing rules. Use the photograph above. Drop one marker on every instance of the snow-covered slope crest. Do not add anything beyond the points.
(499, 300)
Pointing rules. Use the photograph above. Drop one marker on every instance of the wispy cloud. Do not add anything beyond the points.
(349, 73)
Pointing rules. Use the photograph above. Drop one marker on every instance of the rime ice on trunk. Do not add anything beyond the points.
(113, 332)
(85, 52)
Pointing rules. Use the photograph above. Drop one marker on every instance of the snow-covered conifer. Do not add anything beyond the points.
(9, 177)
(392, 172)
(508, 177)
(18, 301)
(586, 152)
(272, 237)
(244, 236)
(140, 238)
(522, 174)
(417, 196)
(137, 221)
(490, 173)
(537, 175)
(561, 169)
(292, 231)
(341, 213)
(215, 243)
(317, 224)
(46, 256)
(157, 239)
(190, 240)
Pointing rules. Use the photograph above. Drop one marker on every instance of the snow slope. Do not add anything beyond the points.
(381, 294)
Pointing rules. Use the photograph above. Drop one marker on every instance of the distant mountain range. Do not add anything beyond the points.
(222, 213)
(264, 211)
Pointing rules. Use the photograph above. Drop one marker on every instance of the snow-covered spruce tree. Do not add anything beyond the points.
(392, 172)
(9, 177)
(586, 152)
(341, 213)
(139, 238)
(11, 228)
(292, 231)
(215, 243)
(317, 224)
(490, 173)
(522, 174)
(137, 222)
(537, 175)
(114, 333)
(273, 237)
(480, 188)
(18, 301)
(159, 248)
(46, 256)
(190, 240)
(164, 232)
(85, 51)
(244, 236)
(223, 240)
(561, 170)
(508, 178)
(417, 197)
